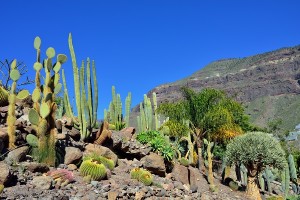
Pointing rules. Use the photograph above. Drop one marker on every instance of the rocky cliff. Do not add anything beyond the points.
(267, 84)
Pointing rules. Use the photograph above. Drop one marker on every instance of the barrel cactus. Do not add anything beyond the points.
(146, 177)
(135, 173)
(93, 168)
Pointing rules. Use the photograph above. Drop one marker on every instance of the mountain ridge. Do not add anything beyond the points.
(272, 77)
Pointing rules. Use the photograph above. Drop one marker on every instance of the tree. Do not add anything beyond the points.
(5, 74)
(212, 116)
(255, 150)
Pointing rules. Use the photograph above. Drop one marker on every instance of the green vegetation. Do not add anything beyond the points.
(86, 95)
(148, 118)
(158, 142)
(114, 115)
(142, 175)
(255, 150)
(11, 118)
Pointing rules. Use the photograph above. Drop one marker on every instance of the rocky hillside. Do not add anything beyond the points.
(267, 84)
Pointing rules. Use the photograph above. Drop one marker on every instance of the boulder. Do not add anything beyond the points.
(4, 173)
(35, 167)
(100, 150)
(180, 173)
(42, 182)
(195, 177)
(17, 155)
(155, 164)
(72, 156)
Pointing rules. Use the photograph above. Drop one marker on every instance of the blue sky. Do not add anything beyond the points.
(140, 44)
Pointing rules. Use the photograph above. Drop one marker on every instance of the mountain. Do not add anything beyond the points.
(267, 84)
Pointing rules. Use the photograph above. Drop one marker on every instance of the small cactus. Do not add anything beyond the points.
(135, 173)
(62, 177)
(32, 140)
(292, 168)
(146, 177)
(94, 168)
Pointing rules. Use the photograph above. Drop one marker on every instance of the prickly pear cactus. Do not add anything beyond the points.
(42, 116)
(11, 118)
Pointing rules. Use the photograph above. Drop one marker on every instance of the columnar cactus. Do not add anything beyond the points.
(3, 96)
(127, 109)
(293, 171)
(145, 120)
(11, 118)
(86, 95)
(42, 116)
(285, 180)
(268, 175)
(114, 114)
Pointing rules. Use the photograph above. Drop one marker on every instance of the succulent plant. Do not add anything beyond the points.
(42, 115)
(11, 118)
(135, 173)
(3, 96)
(62, 177)
(107, 162)
(93, 168)
(146, 177)
(32, 140)
(86, 95)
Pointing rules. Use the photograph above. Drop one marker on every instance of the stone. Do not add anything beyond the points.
(42, 182)
(3, 133)
(73, 132)
(100, 150)
(112, 195)
(72, 156)
(58, 124)
(72, 167)
(17, 155)
(195, 178)
(61, 136)
(67, 121)
(35, 167)
(180, 173)
(139, 195)
(4, 173)
(155, 164)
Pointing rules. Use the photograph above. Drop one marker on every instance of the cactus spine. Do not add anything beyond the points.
(11, 118)
(86, 95)
(42, 116)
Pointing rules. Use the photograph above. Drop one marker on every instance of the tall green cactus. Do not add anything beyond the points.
(285, 180)
(127, 109)
(42, 115)
(11, 118)
(244, 175)
(86, 95)
(114, 114)
(3, 96)
(145, 119)
(292, 168)
(268, 175)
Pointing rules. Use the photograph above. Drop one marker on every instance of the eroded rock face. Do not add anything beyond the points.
(180, 173)
(273, 74)
(155, 164)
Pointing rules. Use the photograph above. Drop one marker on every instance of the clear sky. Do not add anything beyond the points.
(140, 44)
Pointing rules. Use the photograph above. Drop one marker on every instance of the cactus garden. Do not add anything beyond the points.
(201, 147)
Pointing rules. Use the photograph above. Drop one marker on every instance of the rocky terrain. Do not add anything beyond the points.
(267, 84)
(25, 178)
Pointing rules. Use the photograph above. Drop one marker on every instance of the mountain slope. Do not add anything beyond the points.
(267, 84)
